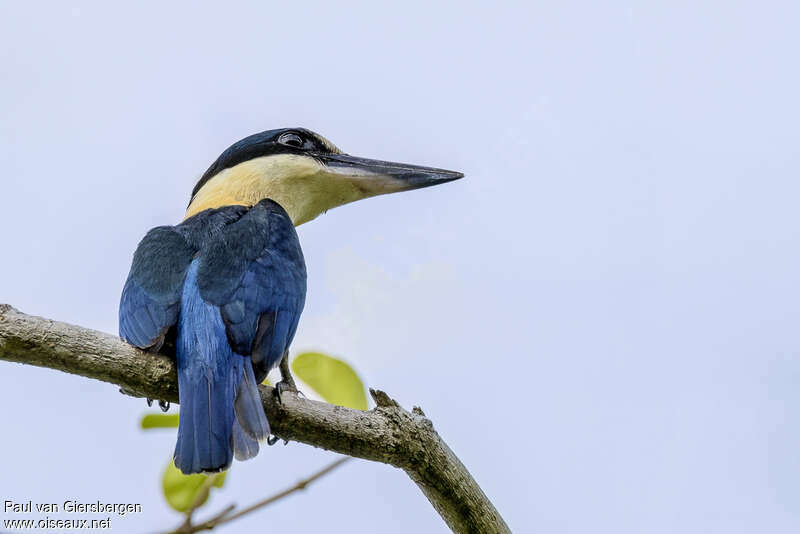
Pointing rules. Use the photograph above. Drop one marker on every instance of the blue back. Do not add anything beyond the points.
(231, 283)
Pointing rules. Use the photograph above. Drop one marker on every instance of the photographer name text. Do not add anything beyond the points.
(70, 507)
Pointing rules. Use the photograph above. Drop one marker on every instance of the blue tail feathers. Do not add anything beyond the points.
(221, 409)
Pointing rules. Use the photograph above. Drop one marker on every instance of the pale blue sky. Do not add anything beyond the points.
(601, 318)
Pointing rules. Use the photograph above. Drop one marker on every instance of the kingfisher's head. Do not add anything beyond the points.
(303, 172)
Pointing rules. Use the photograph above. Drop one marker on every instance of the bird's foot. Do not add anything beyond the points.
(164, 405)
(287, 386)
(272, 440)
(287, 381)
(284, 386)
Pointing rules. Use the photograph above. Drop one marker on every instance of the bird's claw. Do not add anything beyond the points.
(164, 405)
(282, 387)
(272, 440)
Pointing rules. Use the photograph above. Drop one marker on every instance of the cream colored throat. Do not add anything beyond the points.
(301, 185)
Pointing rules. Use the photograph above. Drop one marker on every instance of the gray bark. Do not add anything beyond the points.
(387, 434)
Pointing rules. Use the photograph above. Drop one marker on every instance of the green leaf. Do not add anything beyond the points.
(333, 379)
(181, 490)
(159, 420)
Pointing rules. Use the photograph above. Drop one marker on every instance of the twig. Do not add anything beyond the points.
(387, 434)
(200, 498)
(226, 517)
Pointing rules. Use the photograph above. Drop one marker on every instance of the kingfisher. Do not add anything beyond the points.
(223, 290)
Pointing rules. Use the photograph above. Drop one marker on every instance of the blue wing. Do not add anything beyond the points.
(150, 300)
(233, 282)
(254, 271)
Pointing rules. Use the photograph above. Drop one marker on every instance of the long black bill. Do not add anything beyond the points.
(379, 177)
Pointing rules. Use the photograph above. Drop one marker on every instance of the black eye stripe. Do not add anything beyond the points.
(280, 141)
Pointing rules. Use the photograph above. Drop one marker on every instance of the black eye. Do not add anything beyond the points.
(291, 139)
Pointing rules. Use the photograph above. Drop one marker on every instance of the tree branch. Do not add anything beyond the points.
(387, 434)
